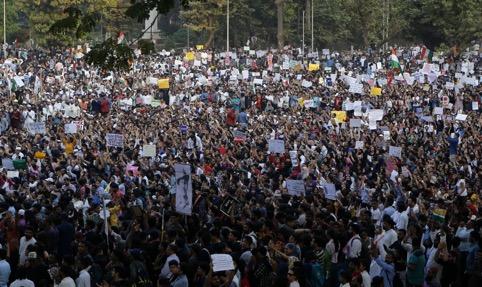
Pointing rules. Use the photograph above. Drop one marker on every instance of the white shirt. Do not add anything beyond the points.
(367, 280)
(84, 278)
(22, 283)
(401, 219)
(295, 284)
(23, 248)
(353, 247)
(67, 282)
(165, 271)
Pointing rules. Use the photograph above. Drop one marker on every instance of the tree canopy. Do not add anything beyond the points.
(274, 23)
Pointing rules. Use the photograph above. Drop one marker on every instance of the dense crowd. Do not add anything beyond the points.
(377, 182)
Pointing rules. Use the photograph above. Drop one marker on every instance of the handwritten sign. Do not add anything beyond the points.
(276, 146)
(114, 140)
(149, 150)
(359, 144)
(376, 91)
(222, 262)
(355, 123)
(395, 151)
(163, 84)
(70, 128)
(36, 128)
(295, 187)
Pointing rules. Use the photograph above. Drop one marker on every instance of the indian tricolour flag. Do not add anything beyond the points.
(394, 63)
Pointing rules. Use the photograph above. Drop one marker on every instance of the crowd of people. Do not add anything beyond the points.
(327, 169)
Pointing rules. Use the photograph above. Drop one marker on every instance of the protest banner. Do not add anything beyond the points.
(355, 123)
(276, 146)
(313, 67)
(239, 136)
(149, 150)
(395, 151)
(376, 91)
(7, 163)
(340, 116)
(70, 128)
(359, 144)
(183, 189)
(190, 56)
(294, 157)
(222, 262)
(114, 140)
(36, 128)
(163, 84)
(13, 173)
(295, 187)
(330, 191)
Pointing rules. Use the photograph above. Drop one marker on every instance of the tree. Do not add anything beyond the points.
(280, 18)
(13, 22)
(204, 15)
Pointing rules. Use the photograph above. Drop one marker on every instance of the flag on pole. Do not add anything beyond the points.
(120, 37)
(394, 63)
(426, 54)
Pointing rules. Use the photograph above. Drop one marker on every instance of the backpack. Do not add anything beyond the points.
(317, 275)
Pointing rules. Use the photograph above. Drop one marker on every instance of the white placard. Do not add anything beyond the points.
(13, 173)
(7, 163)
(70, 128)
(475, 106)
(306, 84)
(222, 262)
(326, 51)
(356, 88)
(372, 125)
(245, 74)
(258, 81)
(294, 157)
(36, 128)
(149, 150)
(461, 117)
(295, 187)
(183, 189)
(395, 151)
(375, 115)
(330, 191)
(359, 144)
(438, 111)
(355, 123)
(276, 146)
(114, 140)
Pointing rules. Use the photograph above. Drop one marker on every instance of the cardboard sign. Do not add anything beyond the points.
(340, 116)
(149, 150)
(114, 140)
(375, 91)
(276, 146)
(355, 123)
(395, 151)
(222, 262)
(70, 128)
(163, 84)
(359, 144)
(295, 187)
(36, 128)
(313, 67)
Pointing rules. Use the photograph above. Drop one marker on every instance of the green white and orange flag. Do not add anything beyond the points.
(394, 63)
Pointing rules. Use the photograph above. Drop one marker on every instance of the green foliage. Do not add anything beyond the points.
(110, 56)
(146, 46)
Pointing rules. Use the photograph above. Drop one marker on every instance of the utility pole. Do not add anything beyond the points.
(303, 43)
(227, 28)
(312, 33)
(4, 30)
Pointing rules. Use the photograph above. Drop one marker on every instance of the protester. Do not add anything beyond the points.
(321, 169)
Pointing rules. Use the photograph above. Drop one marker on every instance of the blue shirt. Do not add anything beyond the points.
(180, 281)
(388, 272)
(4, 273)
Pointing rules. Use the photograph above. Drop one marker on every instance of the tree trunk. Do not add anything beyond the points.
(210, 39)
(280, 30)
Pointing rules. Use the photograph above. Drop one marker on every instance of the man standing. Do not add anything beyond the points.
(25, 242)
(4, 268)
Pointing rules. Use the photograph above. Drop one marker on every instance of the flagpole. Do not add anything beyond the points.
(312, 14)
